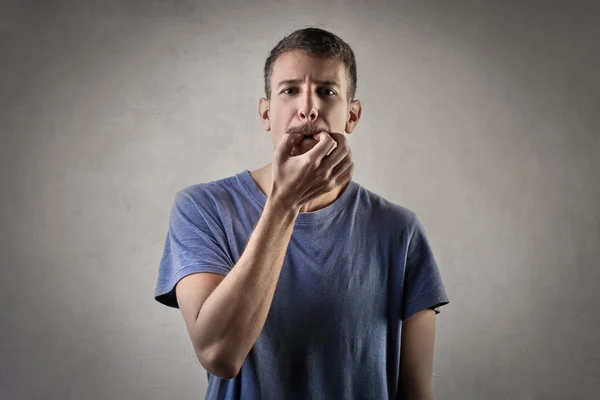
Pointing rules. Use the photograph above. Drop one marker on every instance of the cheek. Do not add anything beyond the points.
(281, 119)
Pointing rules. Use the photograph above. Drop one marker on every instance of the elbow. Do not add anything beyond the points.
(218, 365)
(223, 370)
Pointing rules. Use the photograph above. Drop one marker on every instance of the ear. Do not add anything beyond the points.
(263, 113)
(354, 111)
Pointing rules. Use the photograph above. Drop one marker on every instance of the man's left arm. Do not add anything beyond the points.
(416, 357)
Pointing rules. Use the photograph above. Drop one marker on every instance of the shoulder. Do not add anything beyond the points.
(385, 210)
(209, 195)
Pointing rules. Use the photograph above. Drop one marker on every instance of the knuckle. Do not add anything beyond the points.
(310, 163)
(346, 147)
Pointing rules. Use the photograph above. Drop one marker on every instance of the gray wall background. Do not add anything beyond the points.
(482, 117)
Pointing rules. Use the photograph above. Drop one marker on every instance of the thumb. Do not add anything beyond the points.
(287, 143)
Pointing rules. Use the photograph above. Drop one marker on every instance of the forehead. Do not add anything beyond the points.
(297, 64)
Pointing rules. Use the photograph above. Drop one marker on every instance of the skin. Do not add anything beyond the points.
(309, 107)
(306, 107)
(416, 357)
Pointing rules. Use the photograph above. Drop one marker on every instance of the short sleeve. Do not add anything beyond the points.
(195, 243)
(423, 286)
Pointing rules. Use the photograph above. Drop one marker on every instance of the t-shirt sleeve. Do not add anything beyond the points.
(195, 242)
(423, 286)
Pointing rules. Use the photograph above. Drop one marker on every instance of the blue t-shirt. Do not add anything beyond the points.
(353, 272)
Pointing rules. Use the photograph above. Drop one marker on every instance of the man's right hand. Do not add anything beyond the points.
(299, 179)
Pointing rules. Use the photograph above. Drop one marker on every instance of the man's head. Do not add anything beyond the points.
(310, 84)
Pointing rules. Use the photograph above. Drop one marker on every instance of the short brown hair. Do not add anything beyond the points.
(316, 42)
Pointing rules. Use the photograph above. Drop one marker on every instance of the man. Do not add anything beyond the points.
(293, 280)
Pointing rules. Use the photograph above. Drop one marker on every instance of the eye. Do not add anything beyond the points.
(327, 92)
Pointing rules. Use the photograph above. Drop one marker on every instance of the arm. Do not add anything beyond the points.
(234, 314)
(416, 357)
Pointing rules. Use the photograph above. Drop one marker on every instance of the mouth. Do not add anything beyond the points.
(309, 137)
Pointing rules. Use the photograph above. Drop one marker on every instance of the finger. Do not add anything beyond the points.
(344, 176)
(322, 147)
(289, 141)
(323, 135)
(343, 173)
(337, 154)
(339, 138)
(341, 166)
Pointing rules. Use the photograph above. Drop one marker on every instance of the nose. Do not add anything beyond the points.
(312, 115)
(307, 109)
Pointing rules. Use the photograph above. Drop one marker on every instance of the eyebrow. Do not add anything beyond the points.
(297, 81)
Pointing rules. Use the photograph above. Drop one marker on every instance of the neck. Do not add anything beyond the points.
(264, 179)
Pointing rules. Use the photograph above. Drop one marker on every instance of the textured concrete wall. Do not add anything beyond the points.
(482, 117)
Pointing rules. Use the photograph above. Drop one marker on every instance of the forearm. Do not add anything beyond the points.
(233, 316)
